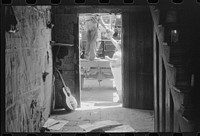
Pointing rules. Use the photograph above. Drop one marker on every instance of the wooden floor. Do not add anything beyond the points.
(97, 105)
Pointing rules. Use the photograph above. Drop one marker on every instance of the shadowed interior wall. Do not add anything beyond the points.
(27, 56)
(177, 107)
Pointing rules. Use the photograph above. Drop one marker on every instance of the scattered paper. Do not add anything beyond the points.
(49, 122)
(100, 124)
(53, 124)
(123, 128)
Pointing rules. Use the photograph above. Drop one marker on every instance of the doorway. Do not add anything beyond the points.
(100, 87)
(137, 73)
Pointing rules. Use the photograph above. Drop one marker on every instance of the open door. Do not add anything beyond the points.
(65, 51)
(138, 60)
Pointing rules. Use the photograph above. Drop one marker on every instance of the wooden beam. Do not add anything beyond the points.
(160, 35)
(161, 94)
(169, 109)
(156, 89)
(171, 112)
(100, 9)
(52, 43)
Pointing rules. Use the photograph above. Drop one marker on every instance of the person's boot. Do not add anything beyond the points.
(115, 97)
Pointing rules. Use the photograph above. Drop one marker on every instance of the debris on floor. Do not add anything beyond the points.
(123, 128)
(99, 125)
(53, 124)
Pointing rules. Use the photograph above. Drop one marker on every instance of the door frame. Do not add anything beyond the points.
(100, 9)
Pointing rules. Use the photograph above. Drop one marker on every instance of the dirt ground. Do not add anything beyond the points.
(97, 105)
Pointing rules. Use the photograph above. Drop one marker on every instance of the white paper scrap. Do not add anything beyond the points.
(100, 124)
(123, 128)
(59, 125)
(53, 124)
(50, 122)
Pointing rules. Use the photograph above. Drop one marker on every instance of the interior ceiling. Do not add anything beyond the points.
(104, 9)
(93, 14)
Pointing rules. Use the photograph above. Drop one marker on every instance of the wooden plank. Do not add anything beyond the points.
(60, 44)
(156, 93)
(175, 57)
(95, 63)
(64, 28)
(167, 103)
(76, 60)
(171, 112)
(140, 57)
(187, 118)
(183, 111)
(161, 95)
(169, 109)
(123, 128)
(175, 54)
(125, 81)
(133, 32)
(147, 59)
(159, 32)
(99, 125)
(176, 123)
(176, 76)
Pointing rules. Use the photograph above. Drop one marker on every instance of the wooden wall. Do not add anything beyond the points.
(138, 60)
(66, 31)
(176, 94)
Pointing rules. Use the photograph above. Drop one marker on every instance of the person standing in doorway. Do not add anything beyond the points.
(115, 64)
(92, 25)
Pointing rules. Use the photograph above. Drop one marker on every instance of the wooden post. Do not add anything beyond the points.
(156, 92)
(167, 111)
(161, 95)
(76, 59)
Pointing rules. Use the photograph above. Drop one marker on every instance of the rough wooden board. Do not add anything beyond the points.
(27, 56)
(97, 125)
(123, 128)
(54, 124)
(95, 63)
(61, 124)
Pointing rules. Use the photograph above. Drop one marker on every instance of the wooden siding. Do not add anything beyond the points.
(138, 60)
(66, 31)
(177, 109)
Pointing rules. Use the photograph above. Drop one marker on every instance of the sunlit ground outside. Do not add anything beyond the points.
(95, 96)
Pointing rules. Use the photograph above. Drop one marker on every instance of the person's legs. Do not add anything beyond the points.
(118, 80)
(93, 43)
(92, 50)
(87, 46)
(87, 50)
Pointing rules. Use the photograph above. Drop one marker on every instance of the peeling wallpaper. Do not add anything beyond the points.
(28, 55)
